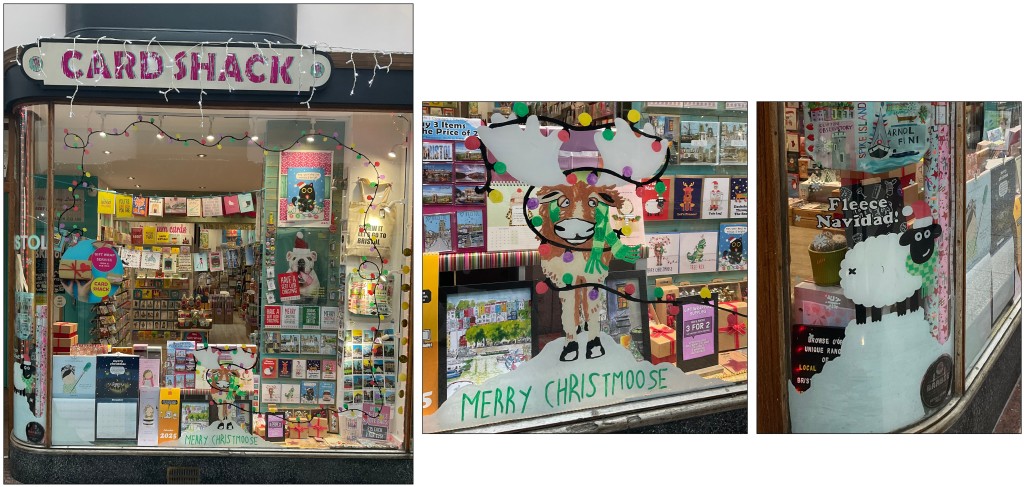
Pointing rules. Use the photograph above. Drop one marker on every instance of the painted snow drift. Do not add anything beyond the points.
(546, 385)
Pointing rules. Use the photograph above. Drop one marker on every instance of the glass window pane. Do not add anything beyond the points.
(870, 244)
(992, 219)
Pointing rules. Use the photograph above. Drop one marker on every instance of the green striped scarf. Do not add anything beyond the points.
(603, 234)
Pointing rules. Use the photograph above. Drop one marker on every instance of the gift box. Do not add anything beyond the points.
(298, 431)
(318, 426)
(65, 343)
(663, 344)
(732, 328)
(671, 292)
(79, 270)
(821, 305)
(65, 328)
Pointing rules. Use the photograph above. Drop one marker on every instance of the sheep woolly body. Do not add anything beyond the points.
(881, 277)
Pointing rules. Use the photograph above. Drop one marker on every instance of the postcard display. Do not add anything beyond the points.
(692, 221)
(329, 336)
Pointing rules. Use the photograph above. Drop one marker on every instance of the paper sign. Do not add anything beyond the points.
(170, 408)
(123, 205)
(105, 202)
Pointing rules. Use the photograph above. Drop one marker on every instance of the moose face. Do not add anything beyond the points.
(573, 210)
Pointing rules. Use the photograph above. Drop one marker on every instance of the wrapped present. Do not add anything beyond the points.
(663, 344)
(65, 343)
(79, 270)
(298, 430)
(65, 328)
(732, 328)
(661, 308)
(318, 426)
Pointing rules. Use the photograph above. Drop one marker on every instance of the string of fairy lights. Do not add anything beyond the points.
(522, 111)
(368, 268)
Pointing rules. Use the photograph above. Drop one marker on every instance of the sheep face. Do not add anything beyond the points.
(874, 272)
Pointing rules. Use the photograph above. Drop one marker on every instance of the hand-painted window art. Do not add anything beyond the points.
(90, 271)
(870, 347)
(866, 136)
(570, 211)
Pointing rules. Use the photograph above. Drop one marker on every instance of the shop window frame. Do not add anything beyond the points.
(774, 297)
(13, 149)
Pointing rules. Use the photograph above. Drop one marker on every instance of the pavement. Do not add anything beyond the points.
(1009, 420)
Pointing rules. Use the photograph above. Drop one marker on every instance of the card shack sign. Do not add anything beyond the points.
(145, 64)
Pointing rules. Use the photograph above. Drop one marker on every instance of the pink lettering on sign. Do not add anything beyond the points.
(104, 259)
(98, 66)
(124, 62)
(65, 64)
(209, 66)
(157, 70)
(179, 62)
(249, 73)
(231, 69)
(288, 286)
(277, 68)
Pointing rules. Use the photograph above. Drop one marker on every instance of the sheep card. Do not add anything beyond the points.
(978, 238)
(664, 254)
(688, 194)
(714, 203)
(738, 198)
(697, 252)
(657, 206)
(630, 213)
(305, 183)
(732, 247)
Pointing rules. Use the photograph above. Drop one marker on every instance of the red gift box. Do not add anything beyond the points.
(733, 330)
(319, 426)
(663, 344)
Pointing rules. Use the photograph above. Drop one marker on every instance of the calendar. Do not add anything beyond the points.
(507, 228)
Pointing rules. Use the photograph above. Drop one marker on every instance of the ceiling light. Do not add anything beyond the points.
(137, 186)
(392, 154)
(106, 152)
(210, 137)
(255, 138)
(103, 134)
(202, 187)
(160, 136)
(200, 155)
(131, 177)
(309, 139)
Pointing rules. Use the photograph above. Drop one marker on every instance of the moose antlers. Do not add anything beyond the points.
(529, 156)
(641, 155)
(533, 158)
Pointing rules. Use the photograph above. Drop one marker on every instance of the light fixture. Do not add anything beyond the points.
(255, 138)
(137, 186)
(312, 130)
(106, 152)
(202, 187)
(131, 177)
(309, 139)
(200, 155)
(393, 153)
(210, 137)
(160, 136)
(103, 134)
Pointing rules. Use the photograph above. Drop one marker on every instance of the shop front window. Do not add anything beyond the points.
(227, 278)
(580, 255)
(29, 172)
(871, 243)
(992, 219)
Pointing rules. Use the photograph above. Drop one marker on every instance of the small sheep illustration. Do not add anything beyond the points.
(890, 269)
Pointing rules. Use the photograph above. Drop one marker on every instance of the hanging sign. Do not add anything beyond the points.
(182, 65)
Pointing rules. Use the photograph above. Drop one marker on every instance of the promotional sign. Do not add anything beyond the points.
(698, 337)
(375, 421)
(170, 408)
(90, 270)
(143, 64)
(438, 128)
(166, 233)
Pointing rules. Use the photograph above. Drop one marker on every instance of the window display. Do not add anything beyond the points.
(873, 341)
(545, 223)
(200, 278)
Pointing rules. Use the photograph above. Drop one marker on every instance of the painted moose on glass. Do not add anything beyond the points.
(571, 211)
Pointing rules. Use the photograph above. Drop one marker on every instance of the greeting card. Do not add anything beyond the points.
(732, 247)
(305, 182)
(688, 195)
(698, 252)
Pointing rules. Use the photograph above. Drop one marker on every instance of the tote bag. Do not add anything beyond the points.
(379, 221)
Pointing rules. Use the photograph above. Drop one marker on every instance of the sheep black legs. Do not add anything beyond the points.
(876, 314)
(862, 315)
